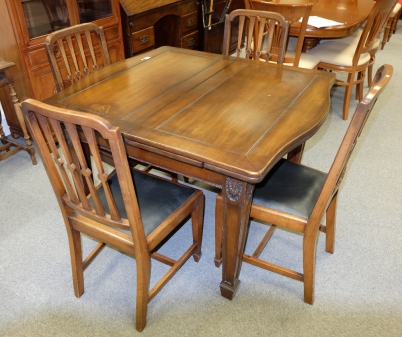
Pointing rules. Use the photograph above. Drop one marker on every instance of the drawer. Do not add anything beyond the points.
(190, 41)
(143, 39)
(188, 22)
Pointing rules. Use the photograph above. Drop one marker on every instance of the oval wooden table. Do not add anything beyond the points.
(352, 13)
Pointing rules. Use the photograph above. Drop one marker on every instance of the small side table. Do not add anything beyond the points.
(10, 146)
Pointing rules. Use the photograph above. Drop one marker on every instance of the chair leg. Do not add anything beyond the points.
(370, 72)
(218, 230)
(348, 93)
(197, 220)
(331, 225)
(74, 238)
(143, 280)
(309, 259)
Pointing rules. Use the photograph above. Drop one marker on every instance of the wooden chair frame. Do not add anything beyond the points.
(325, 204)
(78, 53)
(259, 25)
(292, 13)
(110, 213)
(356, 72)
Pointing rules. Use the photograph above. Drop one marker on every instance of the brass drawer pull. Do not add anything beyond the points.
(191, 42)
(190, 22)
(144, 39)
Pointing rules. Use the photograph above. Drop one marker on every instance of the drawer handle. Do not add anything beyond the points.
(190, 22)
(144, 39)
(191, 42)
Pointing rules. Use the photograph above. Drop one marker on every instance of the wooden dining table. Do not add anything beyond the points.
(221, 120)
(351, 13)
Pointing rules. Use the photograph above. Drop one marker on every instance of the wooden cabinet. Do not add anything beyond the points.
(154, 23)
(24, 27)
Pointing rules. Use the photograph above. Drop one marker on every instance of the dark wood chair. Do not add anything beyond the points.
(296, 197)
(257, 30)
(353, 59)
(294, 55)
(75, 52)
(131, 211)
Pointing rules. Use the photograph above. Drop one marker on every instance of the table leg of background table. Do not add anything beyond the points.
(237, 197)
(30, 149)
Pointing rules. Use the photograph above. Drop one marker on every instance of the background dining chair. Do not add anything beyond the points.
(75, 52)
(133, 212)
(296, 197)
(353, 59)
(391, 23)
(257, 29)
(294, 55)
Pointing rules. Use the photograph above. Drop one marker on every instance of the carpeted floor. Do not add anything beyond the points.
(358, 289)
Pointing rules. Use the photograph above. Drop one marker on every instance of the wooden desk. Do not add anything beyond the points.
(224, 121)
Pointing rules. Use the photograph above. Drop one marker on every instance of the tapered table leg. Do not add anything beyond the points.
(237, 196)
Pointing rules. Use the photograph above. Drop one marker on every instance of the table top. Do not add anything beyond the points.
(224, 114)
(350, 12)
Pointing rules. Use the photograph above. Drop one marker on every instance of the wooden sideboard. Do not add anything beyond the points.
(24, 26)
(154, 23)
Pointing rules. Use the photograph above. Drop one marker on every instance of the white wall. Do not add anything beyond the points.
(4, 124)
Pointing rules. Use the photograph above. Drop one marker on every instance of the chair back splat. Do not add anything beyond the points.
(75, 52)
(132, 211)
(293, 13)
(296, 197)
(261, 35)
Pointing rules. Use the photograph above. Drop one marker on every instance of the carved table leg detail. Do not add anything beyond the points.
(237, 197)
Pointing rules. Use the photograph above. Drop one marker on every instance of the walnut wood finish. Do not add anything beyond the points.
(76, 48)
(277, 215)
(112, 204)
(269, 31)
(222, 120)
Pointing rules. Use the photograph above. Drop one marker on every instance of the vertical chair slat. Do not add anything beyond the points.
(57, 158)
(85, 170)
(73, 56)
(102, 175)
(78, 38)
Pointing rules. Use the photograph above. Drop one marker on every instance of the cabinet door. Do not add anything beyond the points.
(45, 16)
(91, 10)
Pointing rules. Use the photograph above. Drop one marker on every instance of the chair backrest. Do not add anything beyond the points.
(373, 26)
(338, 168)
(60, 136)
(73, 53)
(292, 13)
(257, 29)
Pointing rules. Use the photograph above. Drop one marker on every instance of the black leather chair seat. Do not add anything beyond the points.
(290, 188)
(157, 198)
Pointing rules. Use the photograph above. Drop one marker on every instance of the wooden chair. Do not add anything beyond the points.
(296, 197)
(257, 29)
(294, 55)
(73, 54)
(353, 59)
(133, 212)
(391, 23)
